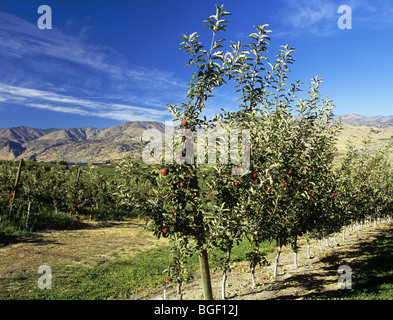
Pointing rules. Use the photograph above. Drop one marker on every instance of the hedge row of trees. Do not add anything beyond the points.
(291, 189)
(33, 190)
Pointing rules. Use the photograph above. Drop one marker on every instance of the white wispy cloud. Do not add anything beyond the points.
(319, 17)
(41, 99)
(306, 13)
(53, 70)
(316, 17)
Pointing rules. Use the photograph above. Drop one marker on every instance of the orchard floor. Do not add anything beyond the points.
(23, 255)
(314, 277)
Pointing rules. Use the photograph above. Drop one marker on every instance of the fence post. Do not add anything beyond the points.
(28, 214)
(17, 178)
(78, 174)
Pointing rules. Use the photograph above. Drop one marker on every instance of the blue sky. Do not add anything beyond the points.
(108, 62)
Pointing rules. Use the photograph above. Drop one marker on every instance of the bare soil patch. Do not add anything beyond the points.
(66, 247)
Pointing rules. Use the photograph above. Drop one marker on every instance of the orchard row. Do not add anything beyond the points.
(52, 189)
(295, 187)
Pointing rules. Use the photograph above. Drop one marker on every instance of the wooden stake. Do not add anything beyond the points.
(17, 178)
(78, 174)
(28, 214)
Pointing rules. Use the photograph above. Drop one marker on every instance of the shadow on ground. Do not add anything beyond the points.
(370, 260)
(371, 264)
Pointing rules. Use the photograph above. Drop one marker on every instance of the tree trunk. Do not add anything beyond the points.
(295, 250)
(295, 260)
(308, 249)
(205, 275)
(224, 272)
(276, 262)
(179, 292)
(254, 284)
(224, 279)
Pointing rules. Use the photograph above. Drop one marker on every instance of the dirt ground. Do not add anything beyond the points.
(66, 247)
(314, 276)
(84, 246)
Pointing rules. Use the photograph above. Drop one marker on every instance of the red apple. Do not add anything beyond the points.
(255, 175)
(165, 230)
(184, 123)
(164, 171)
(182, 184)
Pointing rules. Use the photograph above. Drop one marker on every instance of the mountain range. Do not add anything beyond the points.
(374, 121)
(82, 145)
(79, 145)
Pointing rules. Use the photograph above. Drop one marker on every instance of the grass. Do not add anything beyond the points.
(115, 278)
(107, 279)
